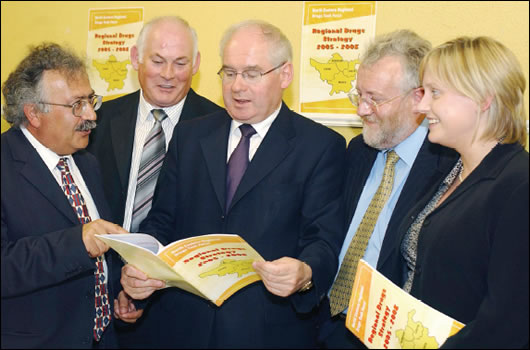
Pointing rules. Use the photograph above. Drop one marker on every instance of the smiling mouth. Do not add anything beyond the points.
(433, 121)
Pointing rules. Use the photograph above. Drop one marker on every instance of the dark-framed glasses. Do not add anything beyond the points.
(79, 107)
(250, 76)
(357, 99)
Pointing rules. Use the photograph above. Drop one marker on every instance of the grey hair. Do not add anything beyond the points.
(144, 33)
(24, 84)
(406, 45)
(280, 49)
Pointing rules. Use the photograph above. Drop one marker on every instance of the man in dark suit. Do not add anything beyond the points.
(53, 205)
(166, 57)
(386, 97)
(287, 204)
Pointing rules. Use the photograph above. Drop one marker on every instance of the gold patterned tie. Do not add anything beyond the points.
(342, 288)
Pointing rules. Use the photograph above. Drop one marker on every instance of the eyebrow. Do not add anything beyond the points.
(245, 68)
(77, 98)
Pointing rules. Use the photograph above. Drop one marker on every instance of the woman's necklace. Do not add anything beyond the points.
(460, 174)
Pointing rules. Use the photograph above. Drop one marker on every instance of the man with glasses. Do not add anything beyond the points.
(389, 167)
(261, 171)
(57, 282)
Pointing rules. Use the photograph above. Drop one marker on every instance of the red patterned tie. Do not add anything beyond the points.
(77, 202)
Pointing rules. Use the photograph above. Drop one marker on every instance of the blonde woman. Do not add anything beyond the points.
(467, 249)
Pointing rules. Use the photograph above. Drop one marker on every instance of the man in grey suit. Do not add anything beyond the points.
(166, 57)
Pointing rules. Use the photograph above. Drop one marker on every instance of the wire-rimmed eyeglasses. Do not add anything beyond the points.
(251, 76)
(79, 107)
(356, 99)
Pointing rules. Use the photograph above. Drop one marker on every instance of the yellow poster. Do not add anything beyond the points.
(334, 34)
(111, 34)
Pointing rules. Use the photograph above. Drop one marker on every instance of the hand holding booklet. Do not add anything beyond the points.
(382, 315)
(211, 266)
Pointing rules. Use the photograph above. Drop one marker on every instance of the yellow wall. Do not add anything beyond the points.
(31, 22)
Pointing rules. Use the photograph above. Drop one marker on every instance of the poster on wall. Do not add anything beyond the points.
(111, 35)
(334, 35)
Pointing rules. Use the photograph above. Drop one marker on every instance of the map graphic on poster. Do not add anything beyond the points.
(334, 35)
(112, 33)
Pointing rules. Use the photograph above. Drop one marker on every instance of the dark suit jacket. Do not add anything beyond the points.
(113, 139)
(287, 204)
(47, 275)
(431, 163)
(473, 253)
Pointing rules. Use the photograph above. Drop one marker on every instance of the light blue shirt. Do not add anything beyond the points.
(407, 151)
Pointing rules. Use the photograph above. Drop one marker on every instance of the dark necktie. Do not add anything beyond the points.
(342, 287)
(153, 155)
(77, 202)
(238, 163)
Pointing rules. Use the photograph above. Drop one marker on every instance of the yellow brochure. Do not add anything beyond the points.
(211, 266)
(384, 316)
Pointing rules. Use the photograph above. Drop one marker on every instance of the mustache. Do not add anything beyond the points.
(86, 125)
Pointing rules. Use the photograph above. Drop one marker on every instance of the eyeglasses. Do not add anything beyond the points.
(250, 76)
(79, 107)
(356, 99)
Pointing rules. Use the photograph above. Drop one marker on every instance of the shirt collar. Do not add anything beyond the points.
(262, 127)
(173, 112)
(49, 157)
(408, 149)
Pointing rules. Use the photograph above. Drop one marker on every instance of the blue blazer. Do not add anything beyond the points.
(287, 204)
(47, 275)
(113, 140)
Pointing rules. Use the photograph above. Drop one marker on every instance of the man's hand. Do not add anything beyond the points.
(94, 246)
(125, 310)
(284, 276)
(136, 283)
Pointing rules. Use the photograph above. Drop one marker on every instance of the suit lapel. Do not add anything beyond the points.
(214, 147)
(358, 172)
(35, 171)
(122, 134)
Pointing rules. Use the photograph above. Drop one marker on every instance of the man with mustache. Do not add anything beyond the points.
(58, 285)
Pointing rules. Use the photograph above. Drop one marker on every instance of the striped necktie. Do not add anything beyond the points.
(76, 200)
(342, 287)
(153, 155)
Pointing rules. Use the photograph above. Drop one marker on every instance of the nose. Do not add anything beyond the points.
(89, 113)
(239, 83)
(167, 72)
(364, 109)
(423, 106)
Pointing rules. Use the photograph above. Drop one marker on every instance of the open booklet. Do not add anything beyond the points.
(211, 266)
(382, 315)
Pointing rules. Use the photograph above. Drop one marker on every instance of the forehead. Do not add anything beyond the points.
(247, 48)
(387, 73)
(65, 86)
(169, 38)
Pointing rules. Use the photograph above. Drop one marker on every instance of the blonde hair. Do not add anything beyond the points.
(482, 68)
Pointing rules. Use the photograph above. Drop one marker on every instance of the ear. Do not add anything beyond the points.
(286, 75)
(486, 104)
(197, 63)
(134, 57)
(32, 114)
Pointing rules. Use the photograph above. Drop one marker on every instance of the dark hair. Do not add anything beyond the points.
(24, 86)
